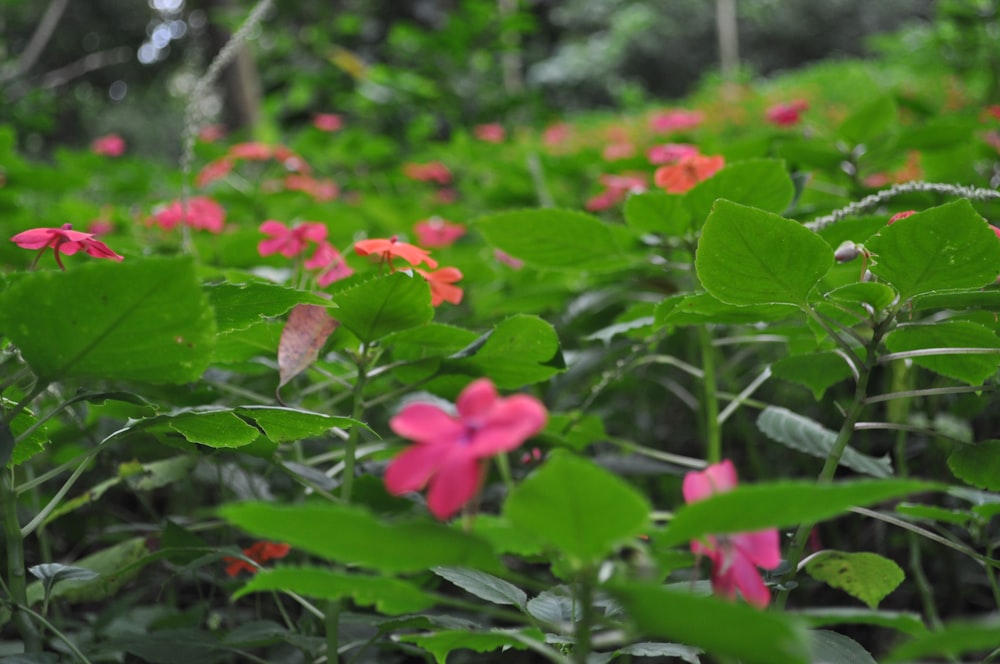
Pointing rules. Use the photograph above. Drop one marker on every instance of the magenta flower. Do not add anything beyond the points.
(111, 145)
(63, 241)
(491, 133)
(670, 153)
(786, 115)
(437, 232)
(331, 264)
(327, 121)
(199, 212)
(289, 242)
(450, 449)
(734, 557)
(675, 120)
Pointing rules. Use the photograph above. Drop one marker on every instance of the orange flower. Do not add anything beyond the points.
(442, 285)
(386, 250)
(259, 552)
(687, 172)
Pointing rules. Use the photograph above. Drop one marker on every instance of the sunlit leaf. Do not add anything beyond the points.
(866, 576)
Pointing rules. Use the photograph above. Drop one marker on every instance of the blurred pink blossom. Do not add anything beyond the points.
(111, 145)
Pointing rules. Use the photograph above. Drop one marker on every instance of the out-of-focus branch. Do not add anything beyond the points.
(729, 50)
(74, 70)
(42, 35)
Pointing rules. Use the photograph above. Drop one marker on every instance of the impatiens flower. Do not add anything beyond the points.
(786, 115)
(687, 172)
(556, 135)
(63, 241)
(676, 120)
(734, 557)
(328, 121)
(331, 263)
(320, 190)
(433, 171)
(199, 212)
(618, 151)
(617, 187)
(491, 133)
(259, 552)
(442, 283)
(251, 151)
(386, 250)
(211, 133)
(436, 232)
(289, 242)
(214, 170)
(111, 145)
(668, 153)
(900, 215)
(451, 448)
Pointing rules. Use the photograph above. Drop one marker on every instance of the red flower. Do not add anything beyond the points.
(199, 212)
(63, 241)
(442, 283)
(450, 448)
(289, 242)
(676, 120)
(735, 558)
(786, 115)
(669, 153)
(491, 133)
(436, 232)
(111, 145)
(687, 172)
(386, 250)
(328, 121)
(433, 171)
(260, 553)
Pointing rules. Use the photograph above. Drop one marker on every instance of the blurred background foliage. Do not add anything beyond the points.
(421, 69)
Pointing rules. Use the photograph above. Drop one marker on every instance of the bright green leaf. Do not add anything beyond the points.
(869, 120)
(657, 212)
(748, 256)
(978, 465)
(381, 306)
(702, 308)
(518, 351)
(904, 621)
(760, 183)
(282, 425)
(878, 296)
(969, 368)
(238, 306)
(866, 576)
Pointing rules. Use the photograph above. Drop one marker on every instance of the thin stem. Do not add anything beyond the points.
(924, 352)
(930, 392)
(742, 396)
(585, 601)
(856, 361)
(17, 582)
(710, 405)
(333, 630)
(358, 410)
(906, 428)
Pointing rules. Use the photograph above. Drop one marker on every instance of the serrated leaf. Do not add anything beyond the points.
(439, 644)
(381, 306)
(969, 368)
(978, 465)
(484, 586)
(866, 576)
(760, 183)
(238, 306)
(802, 434)
(305, 333)
(748, 256)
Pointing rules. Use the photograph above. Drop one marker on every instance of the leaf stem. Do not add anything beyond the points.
(710, 404)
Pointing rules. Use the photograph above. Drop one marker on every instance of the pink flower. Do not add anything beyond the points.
(290, 242)
(436, 232)
(199, 212)
(556, 135)
(433, 171)
(669, 153)
(213, 171)
(450, 449)
(735, 557)
(252, 151)
(446, 196)
(331, 263)
(63, 241)
(442, 283)
(328, 122)
(786, 115)
(617, 187)
(111, 145)
(320, 190)
(386, 250)
(491, 133)
(211, 133)
(617, 151)
(675, 120)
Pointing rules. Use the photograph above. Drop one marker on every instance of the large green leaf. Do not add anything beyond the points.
(978, 465)
(748, 256)
(353, 536)
(381, 306)
(238, 306)
(701, 308)
(869, 120)
(866, 576)
(721, 628)
(759, 183)
(577, 507)
(388, 595)
(657, 212)
(817, 371)
(554, 239)
(780, 504)
(518, 351)
(142, 319)
(969, 368)
(903, 621)
(946, 247)
(954, 639)
(803, 434)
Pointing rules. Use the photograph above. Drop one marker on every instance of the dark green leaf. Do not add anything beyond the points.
(439, 644)
(520, 350)
(238, 306)
(282, 425)
(381, 306)
(484, 586)
(978, 465)
(969, 368)
(833, 648)
(817, 371)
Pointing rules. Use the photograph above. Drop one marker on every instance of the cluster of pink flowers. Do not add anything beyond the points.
(433, 171)
(616, 189)
(199, 212)
(787, 115)
(675, 120)
(293, 242)
(251, 151)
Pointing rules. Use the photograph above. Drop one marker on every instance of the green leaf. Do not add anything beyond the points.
(800, 433)
(657, 212)
(579, 508)
(25, 447)
(518, 351)
(935, 513)
(484, 586)
(904, 621)
(833, 648)
(779, 505)
(219, 428)
(870, 120)
(143, 319)
(115, 566)
(701, 308)
(817, 371)
(282, 425)
(955, 639)
(974, 298)
(554, 239)
(504, 537)
(389, 596)
(747, 256)
(238, 306)
(969, 368)
(946, 247)
(978, 465)
(721, 628)
(381, 306)
(440, 643)
(370, 543)
(866, 576)
(760, 183)
(878, 296)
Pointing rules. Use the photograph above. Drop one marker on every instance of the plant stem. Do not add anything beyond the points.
(16, 580)
(585, 603)
(358, 410)
(333, 631)
(710, 403)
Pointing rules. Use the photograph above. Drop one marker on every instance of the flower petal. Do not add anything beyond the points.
(761, 548)
(745, 576)
(411, 470)
(509, 424)
(477, 399)
(717, 478)
(427, 424)
(455, 483)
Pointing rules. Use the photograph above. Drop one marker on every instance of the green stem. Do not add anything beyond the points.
(16, 580)
(710, 404)
(333, 631)
(585, 602)
(358, 410)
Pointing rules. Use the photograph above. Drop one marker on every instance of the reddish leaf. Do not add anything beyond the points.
(307, 329)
